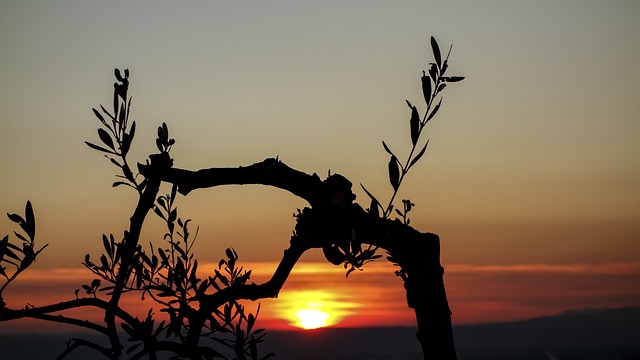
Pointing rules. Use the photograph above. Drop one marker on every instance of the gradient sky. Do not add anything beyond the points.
(532, 177)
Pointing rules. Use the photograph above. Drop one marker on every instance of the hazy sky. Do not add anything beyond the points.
(533, 159)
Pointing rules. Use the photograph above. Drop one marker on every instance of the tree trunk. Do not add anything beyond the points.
(424, 284)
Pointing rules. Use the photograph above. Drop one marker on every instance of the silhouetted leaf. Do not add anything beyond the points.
(106, 139)
(122, 114)
(174, 190)
(15, 218)
(30, 221)
(394, 172)
(11, 254)
(100, 117)
(128, 112)
(127, 139)
(398, 212)
(127, 328)
(172, 216)
(165, 133)
(162, 202)
(417, 157)
(223, 279)
(95, 283)
(386, 148)
(434, 111)
(106, 112)
(426, 88)
(333, 254)
(374, 208)
(107, 245)
(96, 147)
(433, 72)
(414, 124)
(114, 162)
(145, 259)
(87, 289)
(132, 132)
(126, 73)
(351, 269)
(19, 236)
(453, 78)
(373, 198)
(160, 214)
(409, 104)
(117, 73)
(115, 100)
(445, 63)
(436, 52)
(118, 183)
(441, 86)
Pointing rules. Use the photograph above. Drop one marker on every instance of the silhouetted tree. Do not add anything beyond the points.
(210, 307)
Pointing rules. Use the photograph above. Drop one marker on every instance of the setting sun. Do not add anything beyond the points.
(312, 309)
(312, 318)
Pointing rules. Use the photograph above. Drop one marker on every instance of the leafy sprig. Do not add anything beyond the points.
(115, 134)
(433, 84)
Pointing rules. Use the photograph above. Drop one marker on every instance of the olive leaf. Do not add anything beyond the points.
(394, 172)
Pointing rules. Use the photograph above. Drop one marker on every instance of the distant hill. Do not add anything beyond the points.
(576, 335)
(583, 334)
(612, 334)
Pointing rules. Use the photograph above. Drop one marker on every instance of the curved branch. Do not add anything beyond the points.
(7, 314)
(271, 172)
(269, 289)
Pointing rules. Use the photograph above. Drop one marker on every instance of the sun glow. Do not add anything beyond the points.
(312, 318)
(312, 309)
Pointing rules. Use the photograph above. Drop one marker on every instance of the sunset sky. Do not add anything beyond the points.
(532, 177)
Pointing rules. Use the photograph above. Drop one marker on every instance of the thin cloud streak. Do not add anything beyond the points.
(627, 268)
(477, 293)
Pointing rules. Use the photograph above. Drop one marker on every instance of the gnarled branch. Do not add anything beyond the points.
(334, 218)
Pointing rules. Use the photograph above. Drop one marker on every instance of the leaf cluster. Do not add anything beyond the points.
(19, 257)
(169, 276)
(115, 134)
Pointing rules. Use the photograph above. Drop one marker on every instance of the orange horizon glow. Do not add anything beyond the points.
(318, 294)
